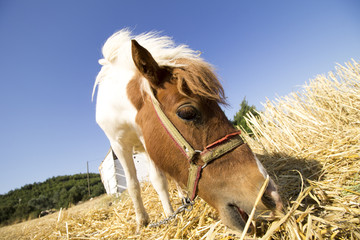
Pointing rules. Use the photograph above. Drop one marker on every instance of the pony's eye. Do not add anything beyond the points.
(188, 113)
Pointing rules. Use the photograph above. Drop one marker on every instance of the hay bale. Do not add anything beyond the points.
(310, 142)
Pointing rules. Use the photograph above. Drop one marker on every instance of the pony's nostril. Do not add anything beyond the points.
(268, 201)
(271, 198)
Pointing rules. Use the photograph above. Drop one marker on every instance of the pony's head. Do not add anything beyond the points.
(190, 94)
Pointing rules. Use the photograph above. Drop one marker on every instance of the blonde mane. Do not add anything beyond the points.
(189, 68)
(198, 77)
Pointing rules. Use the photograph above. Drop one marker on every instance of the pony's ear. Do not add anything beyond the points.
(146, 64)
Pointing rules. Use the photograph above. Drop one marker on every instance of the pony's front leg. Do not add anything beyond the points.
(181, 192)
(159, 182)
(124, 155)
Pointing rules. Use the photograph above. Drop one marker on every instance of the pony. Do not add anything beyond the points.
(146, 81)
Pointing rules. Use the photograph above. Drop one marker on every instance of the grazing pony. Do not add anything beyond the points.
(164, 100)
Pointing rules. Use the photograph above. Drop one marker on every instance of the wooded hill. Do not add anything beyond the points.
(55, 193)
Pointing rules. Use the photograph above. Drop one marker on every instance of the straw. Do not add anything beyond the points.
(260, 194)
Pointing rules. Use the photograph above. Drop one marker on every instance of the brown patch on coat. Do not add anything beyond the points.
(134, 93)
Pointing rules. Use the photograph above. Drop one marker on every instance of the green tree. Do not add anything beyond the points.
(239, 119)
(40, 203)
(97, 189)
(63, 199)
(76, 194)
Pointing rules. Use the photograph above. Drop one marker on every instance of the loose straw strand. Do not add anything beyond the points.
(260, 194)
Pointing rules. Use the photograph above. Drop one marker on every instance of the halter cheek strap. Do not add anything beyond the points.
(175, 135)
(210, 152)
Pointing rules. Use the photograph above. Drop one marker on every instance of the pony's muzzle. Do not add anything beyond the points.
(271, 199)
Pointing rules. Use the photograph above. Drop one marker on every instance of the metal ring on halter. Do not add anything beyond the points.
(187, 203)
(204, 165)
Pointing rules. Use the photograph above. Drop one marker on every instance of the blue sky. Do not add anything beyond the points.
(49, 52)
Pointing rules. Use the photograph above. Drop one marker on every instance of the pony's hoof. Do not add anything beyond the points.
(143, 221)
(141, 225)
(138, 230)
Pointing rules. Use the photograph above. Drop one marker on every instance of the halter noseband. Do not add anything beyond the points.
(210, 152)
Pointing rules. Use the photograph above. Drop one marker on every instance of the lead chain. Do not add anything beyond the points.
(187, 205)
